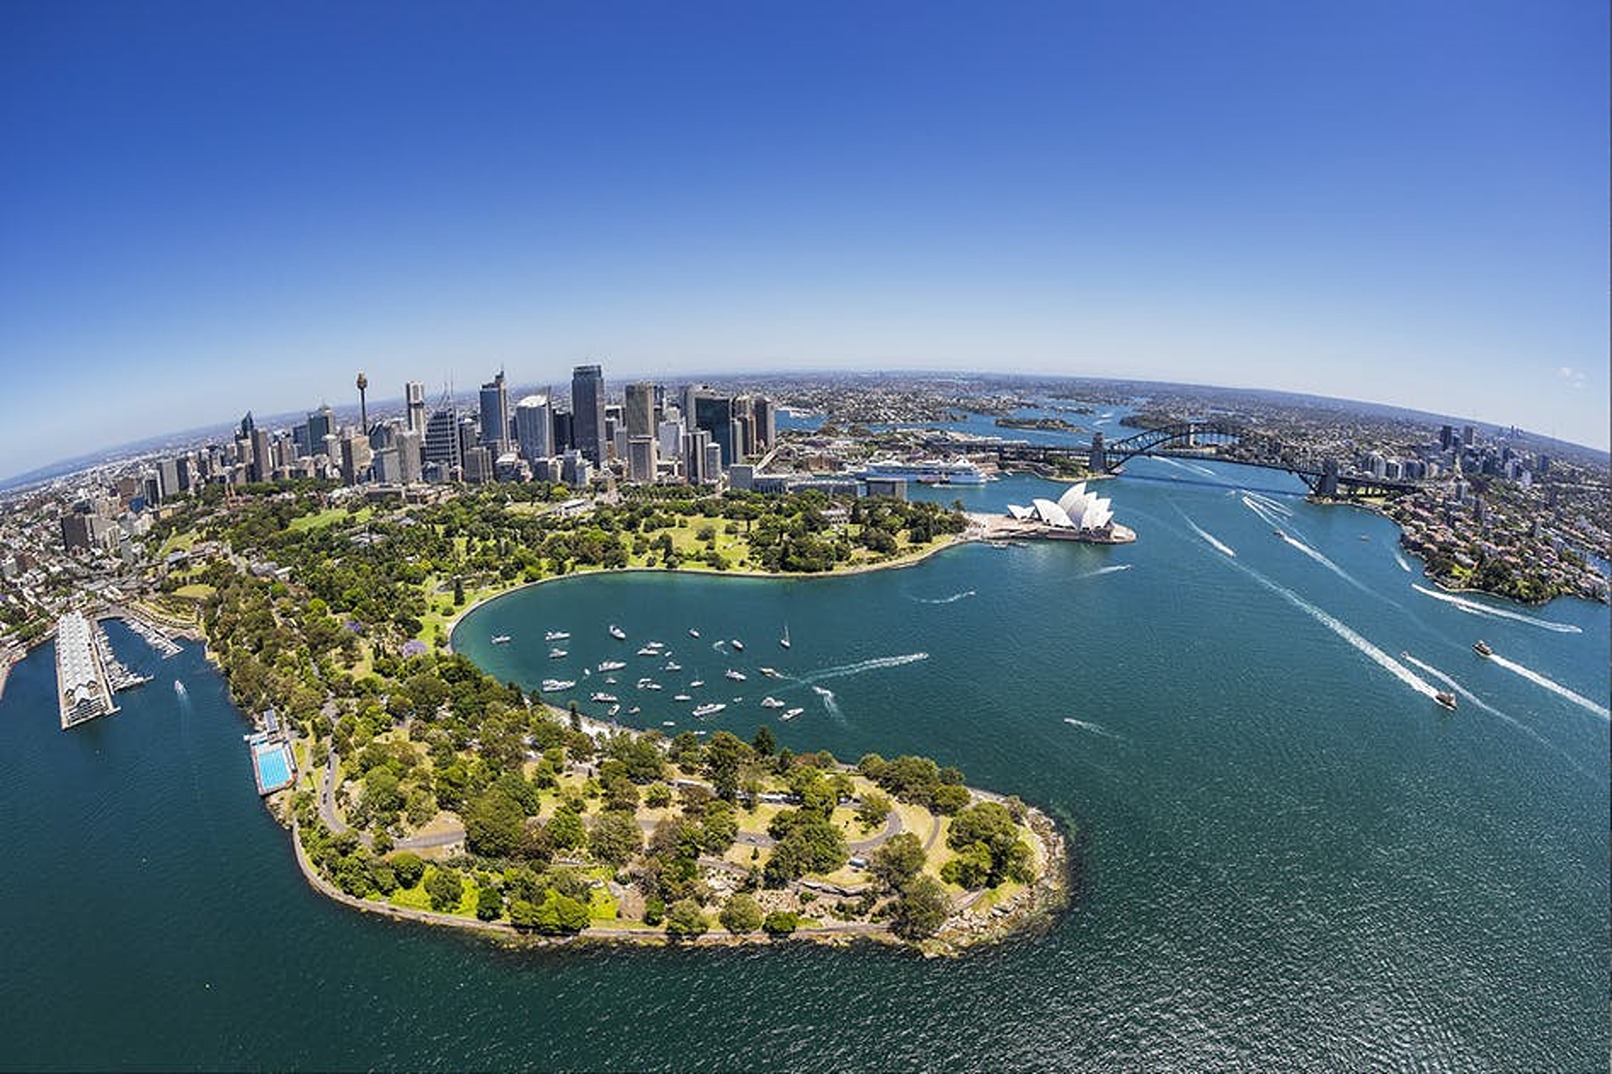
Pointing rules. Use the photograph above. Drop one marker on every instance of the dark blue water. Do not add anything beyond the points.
(1290, 857)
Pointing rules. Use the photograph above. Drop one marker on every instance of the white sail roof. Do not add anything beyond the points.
(1071, 498)
(1053, 515)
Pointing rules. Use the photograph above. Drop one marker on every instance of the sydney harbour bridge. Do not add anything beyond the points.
(1209, 441)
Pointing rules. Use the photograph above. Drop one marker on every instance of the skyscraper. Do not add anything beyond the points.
(414, 407)
(587, 411)
(534, 427)
(321, 423)
(363, 404)
(442, 438)
(495, 415)
(640, 409)
(714, 414)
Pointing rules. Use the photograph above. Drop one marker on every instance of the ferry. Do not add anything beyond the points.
(738, 646)
(555, 685)
(558, 654)
(958, 471)
(611, 665)
(708, 709)
(736, 676)
(556, 635)
(791, 714)
(1445, 699)
(1481, 647)
(771, 703)
(500, 639)
(617, 633)
(600, 695)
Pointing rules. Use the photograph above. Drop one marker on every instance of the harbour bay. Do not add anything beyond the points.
(1288, 857)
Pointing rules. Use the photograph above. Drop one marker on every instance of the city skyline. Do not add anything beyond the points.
(1226, 197)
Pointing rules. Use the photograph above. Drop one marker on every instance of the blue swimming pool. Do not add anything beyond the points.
(273, 766)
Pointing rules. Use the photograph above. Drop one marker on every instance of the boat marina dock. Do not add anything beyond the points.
(152, 636)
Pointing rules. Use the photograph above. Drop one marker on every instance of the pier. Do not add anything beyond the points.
(82, 689)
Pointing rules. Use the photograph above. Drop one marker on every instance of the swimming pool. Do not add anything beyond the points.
(273, 761)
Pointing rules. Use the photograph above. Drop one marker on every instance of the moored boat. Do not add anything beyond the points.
(709, 708)
(500, 639)
(617, 633)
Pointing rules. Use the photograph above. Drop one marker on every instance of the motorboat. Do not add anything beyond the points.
(711, 708)
(1445, 699)
(784, 641)
(693, 633)
(558, 654)
(550, 686)
(500, 639)
(738, 646)
(612, 665)
(771, 703)
(600, 695)
(617, 633)
(1481, 647)
(791, 714)
(736, 676)
(556, 635)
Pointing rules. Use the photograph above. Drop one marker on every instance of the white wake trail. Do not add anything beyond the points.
(862, 665)
(829, 703)
(1212, 539)
(1269, 517)
(953, 599)
(1270, 504)
(1554, 687)
(1113, 569)
(1499, 613)
(1404, 566)
(1094, 728)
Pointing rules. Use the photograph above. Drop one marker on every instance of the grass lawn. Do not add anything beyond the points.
(178, 542)
(320, 519)
(195, 591)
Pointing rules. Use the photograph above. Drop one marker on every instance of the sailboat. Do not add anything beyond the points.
(784, 641)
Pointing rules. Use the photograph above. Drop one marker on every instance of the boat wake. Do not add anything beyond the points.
(953, 599)
(1111, 569)
(1553, 686)
(1499, 613)
(1094, 728)
(1190, 467)
(719, 644)
(829, 703)
(1347, 633)
(1322, 559)
(1266, 514)
(1273, 505)
(1404, 566)
(860, 666)
(1215, 542)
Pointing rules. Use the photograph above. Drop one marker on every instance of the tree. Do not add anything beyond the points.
(971, 868)
(874, 810)
(684, 919)
(615, 837)
(741, 913)
(489, 903)
(921, 910)
(763, 743)
(566, 830)
(948, 798)
(898, 860)
(407, 867)
(560, 913)
(445, 887)
(724, 758)
(990, 826)
(495, 824)
(780, 922)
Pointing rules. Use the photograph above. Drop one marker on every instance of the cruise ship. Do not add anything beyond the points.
(958, 471)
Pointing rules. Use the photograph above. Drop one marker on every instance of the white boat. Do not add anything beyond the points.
(600, 695)
(682, 697)
(613, 710)
(771, 673)
(791, 714)
(500, 639)
(179, 687)
(649, 650)
(558, 654)
(736, 676)
(673, 665)
(771, 703)
(553, 685)
(556, 635)
(668, 723)
(784, 641)
(611, 665)
(696, 684)
(708, 709)
(652, 686)
(635, 710)
(611, 679)
(693, 633)
(617, 633)
(738, 646)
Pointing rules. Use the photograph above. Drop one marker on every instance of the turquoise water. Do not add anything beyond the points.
(273, 765)
(1289, 856)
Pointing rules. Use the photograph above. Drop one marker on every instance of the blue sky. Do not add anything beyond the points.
(215, 207)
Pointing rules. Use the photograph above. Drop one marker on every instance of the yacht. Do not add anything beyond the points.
(617, 633)
(706, 710)
(558, 654)
(736, 676)
(738, 646)
(600, 695)
(611, 665)
(556, 635)
(1481, 647)
(771, 673)
(649, 650)
(550, 686)
(791, 714)
(673, 665)
(693, 633)
(696, 684)
(500, 639)
(771, 703)
(668, 723)
(1445, 699)
(682, 697)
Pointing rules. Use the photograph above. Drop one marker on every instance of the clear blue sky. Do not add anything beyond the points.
(214, 207)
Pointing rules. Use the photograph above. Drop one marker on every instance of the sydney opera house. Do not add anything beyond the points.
(1078, 515)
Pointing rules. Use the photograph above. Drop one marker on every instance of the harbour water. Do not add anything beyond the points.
(1290, 857)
